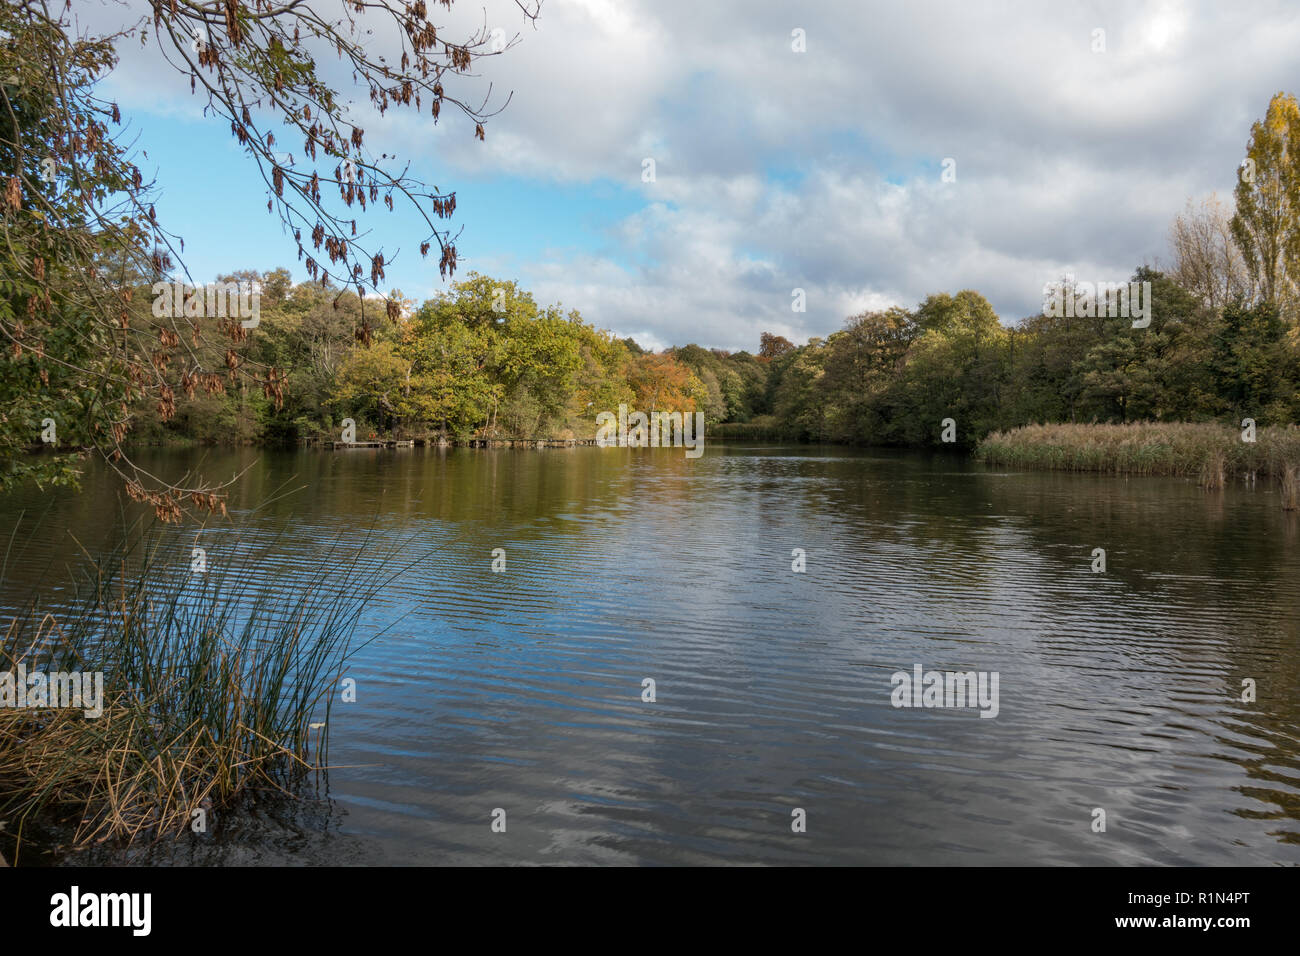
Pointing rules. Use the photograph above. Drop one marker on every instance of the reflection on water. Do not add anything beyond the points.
(523, 690)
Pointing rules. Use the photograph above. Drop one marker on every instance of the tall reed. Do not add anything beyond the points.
(215, 687)
(1291, 487)
(1208, 452)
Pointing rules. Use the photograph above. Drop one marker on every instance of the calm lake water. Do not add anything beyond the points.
(523, 690)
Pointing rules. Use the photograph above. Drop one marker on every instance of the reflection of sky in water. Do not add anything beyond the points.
(523, 690)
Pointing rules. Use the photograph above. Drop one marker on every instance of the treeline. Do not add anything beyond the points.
(484, 360)
(481, 360)
(892, 377)
(1221, 344)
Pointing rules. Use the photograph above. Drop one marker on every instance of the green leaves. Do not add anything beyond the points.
(1266, 225)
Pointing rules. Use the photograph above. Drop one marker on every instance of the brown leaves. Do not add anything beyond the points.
(235, 331)
(12, 200)
(164, 507)
(447, 264)
(273, 387)
(233, 28)
(166, 406)
(213, 503)
(167, 506)
(337, 249)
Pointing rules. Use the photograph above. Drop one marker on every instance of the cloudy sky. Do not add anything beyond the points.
(777, 169)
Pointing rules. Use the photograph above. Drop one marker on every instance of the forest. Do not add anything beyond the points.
(455, 367)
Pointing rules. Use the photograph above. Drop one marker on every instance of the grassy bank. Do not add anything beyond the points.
(217, 687)
(1209, 453)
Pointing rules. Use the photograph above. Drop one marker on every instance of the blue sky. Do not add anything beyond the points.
(779, 169)
(210, 193)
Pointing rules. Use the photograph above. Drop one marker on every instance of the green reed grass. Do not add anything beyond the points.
(212, 684)
(1207, 452)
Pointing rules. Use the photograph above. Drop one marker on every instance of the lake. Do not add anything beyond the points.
(522, 690)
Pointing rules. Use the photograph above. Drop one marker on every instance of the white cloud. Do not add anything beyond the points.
(821, 169)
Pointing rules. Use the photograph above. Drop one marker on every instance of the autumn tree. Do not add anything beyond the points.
(1266, 225)
(773, 346)
(662, 383)
(80, 240)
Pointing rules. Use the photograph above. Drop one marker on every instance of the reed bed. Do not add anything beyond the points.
(1207, 452)
(1290, 479)
(217, 686)
(762, 428)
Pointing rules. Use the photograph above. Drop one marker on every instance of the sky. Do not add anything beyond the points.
(776, 168)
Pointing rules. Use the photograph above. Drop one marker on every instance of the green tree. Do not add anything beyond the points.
(1266, 225)
(79, 236)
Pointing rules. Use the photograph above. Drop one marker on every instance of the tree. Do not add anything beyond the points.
(1266, 225)
(662, 383)
(862, 364)
(1207, 260)
(80, 240)
(773, 346)
(1254, 365)
(955, 368)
